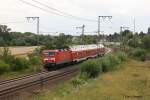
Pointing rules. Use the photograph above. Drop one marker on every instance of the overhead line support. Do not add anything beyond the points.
(38, 26)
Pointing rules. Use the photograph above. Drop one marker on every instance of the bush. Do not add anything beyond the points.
(77, 81)
(106, 64)
(110, 62)
(138, 54)
(114, 60)
(91, 68)
(146, 42)
(122, 56)
(34, 60)
(5, 55)
(20, 64)
(4, 67)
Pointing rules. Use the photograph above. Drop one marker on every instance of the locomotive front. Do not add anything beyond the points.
(49, 57)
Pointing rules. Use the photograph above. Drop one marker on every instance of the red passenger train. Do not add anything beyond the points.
(77, 53)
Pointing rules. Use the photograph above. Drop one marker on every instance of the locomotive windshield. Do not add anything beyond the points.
(49, 53)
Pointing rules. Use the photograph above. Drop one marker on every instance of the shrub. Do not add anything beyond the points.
(138, 53)
(106, 64)
(114, 60)
(34, 60)
(91, 68)
(122, 56)
(5, 55)
(77, 81)
(110, 62)
(146, 42)
(4, 52)
(4, 67)
(20, 64)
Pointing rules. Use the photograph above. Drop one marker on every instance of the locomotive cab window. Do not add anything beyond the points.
(49, 53)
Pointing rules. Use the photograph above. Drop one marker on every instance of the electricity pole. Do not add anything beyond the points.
(134, 25)
(83, 30)
(38, 26)
(99, 23)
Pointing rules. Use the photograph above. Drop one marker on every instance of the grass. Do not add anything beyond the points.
(132, 82)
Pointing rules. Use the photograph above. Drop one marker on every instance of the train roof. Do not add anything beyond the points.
(85, 47)
(79, 48)
(50, 50)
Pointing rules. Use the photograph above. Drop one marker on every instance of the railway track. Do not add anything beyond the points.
(14, 85)
(20, 78)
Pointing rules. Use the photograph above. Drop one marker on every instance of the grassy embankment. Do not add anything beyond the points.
(131, 82)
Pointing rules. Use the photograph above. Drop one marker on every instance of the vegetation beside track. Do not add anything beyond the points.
(92, 69)
(11, 66)
(129, 82)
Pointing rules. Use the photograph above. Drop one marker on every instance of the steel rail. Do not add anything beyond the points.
(21, 78)
(37, 82)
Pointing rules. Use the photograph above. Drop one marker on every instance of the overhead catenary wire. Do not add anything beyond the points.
(12, 22)
(64, 13)
(59, 13)
(45, 10)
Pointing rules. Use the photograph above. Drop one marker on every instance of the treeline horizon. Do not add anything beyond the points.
(8, 38)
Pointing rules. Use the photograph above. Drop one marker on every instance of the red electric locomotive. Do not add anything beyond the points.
(77, 53)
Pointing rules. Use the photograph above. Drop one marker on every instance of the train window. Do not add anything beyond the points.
(51, 53)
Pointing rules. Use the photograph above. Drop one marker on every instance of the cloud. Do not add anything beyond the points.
(122, 11)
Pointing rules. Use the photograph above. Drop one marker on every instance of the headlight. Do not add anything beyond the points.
(53, 59)
(45, 59)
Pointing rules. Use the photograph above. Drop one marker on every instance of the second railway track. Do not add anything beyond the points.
(13, 85)
(20, 78)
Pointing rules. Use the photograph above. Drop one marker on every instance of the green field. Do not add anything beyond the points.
(131, 82)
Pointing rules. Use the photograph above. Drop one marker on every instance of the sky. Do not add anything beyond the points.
(14, 12)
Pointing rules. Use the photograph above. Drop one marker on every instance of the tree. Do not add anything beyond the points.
(135, 42)
(4, 29)
(126, 36)
(146, 42)
(141, 34)
(148, 31)
(4, 34)
(2, 42)
(61, 42)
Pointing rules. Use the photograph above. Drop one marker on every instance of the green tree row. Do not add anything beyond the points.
(8, 38)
